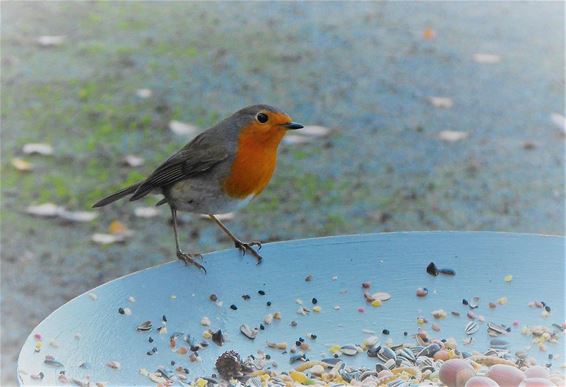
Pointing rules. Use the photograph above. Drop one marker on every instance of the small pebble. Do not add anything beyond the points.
(508, 278)
(261, 292)
(361, 309)
(233, 307)
(422, 292)
(456, 372)
(537, 372)
(481, 381)
(93, 296)
(506, 375)
(131, 299)
(536, 382)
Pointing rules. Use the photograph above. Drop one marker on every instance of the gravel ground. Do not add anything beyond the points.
(365, 70)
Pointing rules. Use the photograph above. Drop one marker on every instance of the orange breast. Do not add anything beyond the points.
(254, 163)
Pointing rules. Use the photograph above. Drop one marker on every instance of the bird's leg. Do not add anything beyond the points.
(242, 246)
(188, 258)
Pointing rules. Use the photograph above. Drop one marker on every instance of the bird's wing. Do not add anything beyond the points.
(194, 159)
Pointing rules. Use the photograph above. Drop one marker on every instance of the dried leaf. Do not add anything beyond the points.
(50, 41)
(559, 120)
(146, 212)
(452, 135)
(429, 33)
(487, 58)
(22, 165)
(441, 102)
(144, 93)
(106, 239)
(133, 161)
(77, 216)
(183, 129)
(44, 210)
(117, 227)
(36, 148)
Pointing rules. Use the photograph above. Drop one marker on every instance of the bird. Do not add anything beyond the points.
(221, 170)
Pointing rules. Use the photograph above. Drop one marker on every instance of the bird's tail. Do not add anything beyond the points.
(117, 195)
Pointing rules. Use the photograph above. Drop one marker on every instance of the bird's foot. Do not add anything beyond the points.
(248, 247)
(189, 259)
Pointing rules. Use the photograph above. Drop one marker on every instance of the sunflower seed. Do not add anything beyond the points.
(385, 353)
(144, 326)
(429, 350)
(407, 354)
(495, 330)
(471, 328)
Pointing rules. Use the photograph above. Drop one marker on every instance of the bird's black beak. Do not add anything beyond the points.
(293, 125)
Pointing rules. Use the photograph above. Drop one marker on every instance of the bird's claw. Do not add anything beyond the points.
(189, 259)
(248, 246)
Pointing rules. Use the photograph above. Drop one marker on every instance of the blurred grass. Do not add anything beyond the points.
(363, 69)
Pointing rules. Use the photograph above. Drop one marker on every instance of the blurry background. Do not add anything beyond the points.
(440, 116)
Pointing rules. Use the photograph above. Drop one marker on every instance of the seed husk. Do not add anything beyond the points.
(349, 350)
(432, 269)
(50, 361)
(144, 326)
(248, 332)
(218, 337)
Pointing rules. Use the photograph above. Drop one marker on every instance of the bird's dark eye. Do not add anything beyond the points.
(262, 117)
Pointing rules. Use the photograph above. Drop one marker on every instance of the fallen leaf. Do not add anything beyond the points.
(183, 129)
(441, 102)
(22, 165)
(429, 33)
(296, 139)
(221, 217)
(143, 93)
(314, 131)
(44, 210)
(40, 149)
(487, 58)
(117, 227)
(133, 161)
(77, 216)
(50, 41)
(106, 239)
(452, 135)
(146, 212)
(559, 120)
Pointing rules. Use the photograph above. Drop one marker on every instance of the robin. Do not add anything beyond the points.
(221, 170)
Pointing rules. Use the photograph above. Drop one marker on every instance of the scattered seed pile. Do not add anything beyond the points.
(423, 357)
